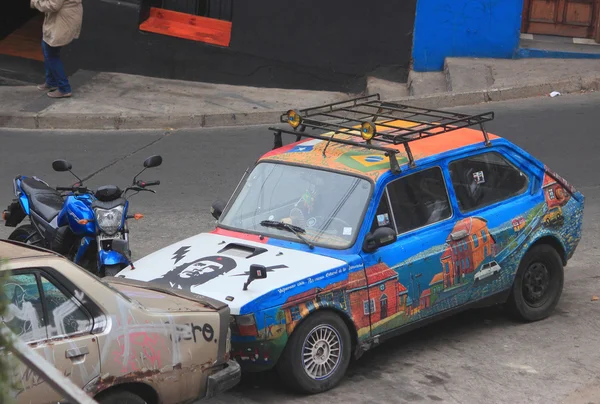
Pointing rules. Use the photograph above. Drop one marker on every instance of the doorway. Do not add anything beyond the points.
(569, 18)
(384, 306)
(21, 31)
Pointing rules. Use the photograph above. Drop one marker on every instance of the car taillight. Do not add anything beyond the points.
(244, 326)
(570, 188)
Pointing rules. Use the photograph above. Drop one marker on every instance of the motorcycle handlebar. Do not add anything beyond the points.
(144, 184)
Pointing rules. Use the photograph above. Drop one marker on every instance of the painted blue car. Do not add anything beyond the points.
(380, 218)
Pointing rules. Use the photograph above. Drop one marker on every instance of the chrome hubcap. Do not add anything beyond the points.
(321, 352)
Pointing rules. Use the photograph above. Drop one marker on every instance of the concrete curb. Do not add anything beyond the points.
(49, 120)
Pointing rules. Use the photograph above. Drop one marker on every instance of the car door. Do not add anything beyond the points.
(495, 215)
(24, 316)
(75, 349)
(54, 322)
(406, 279)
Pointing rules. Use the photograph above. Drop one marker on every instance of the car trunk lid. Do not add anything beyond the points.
(161, 298)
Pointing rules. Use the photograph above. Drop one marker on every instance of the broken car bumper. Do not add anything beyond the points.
(224, 379)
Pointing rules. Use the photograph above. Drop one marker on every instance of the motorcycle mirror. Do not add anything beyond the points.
(61, 165)
(153, 161)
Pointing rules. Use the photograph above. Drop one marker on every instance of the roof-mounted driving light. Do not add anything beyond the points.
(367, 131)
(293, 118)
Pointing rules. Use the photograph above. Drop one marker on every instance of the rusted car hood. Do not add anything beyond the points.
(161, 298)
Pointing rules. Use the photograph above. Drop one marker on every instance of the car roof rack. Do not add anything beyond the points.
(357, 117)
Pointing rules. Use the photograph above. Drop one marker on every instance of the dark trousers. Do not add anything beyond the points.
(55, 71)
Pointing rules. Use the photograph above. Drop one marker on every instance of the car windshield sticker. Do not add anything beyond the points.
(197, 272)
(383, 219)
(347, 231)
(479, 178)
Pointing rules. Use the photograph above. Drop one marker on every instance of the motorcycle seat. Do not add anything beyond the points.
(45, 201)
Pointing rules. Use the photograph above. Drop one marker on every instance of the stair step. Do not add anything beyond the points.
(427, 83)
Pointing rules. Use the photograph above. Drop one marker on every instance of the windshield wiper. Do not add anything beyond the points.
(289, 227)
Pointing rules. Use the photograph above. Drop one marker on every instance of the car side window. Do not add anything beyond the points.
(419, 199)
(24, 314)
(65, 314)
(485, 179)
(383, 216)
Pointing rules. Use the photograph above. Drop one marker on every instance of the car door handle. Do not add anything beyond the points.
(75, 352)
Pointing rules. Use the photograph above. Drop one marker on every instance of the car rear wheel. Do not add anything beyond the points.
(120, 397)
(538, 284)
(317, 355)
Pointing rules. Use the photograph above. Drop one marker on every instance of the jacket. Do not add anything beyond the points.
(62, 23)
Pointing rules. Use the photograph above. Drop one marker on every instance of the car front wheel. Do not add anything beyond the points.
(538, 284)
(317, 355)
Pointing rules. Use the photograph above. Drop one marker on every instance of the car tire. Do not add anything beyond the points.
(538, 284)
(310, 338)
(23, 232)
(120, 397)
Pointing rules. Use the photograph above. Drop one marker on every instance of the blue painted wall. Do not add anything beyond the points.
(468, 28)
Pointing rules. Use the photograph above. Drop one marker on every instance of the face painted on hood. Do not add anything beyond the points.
(197, 272)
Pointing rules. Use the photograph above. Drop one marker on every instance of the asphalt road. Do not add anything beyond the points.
(477, 357)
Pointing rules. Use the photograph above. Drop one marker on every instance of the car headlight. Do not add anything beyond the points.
(109, 220)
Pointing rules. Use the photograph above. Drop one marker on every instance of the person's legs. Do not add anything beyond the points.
(57, 69)
(50, 79)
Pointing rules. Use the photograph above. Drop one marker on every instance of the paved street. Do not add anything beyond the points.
(477, 357)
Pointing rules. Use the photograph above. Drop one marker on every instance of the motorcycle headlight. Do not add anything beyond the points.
(109, 220)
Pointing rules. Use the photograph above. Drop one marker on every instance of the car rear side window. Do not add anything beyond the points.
(65, 314)
(24, 314)
(419, 199)
(485, 179)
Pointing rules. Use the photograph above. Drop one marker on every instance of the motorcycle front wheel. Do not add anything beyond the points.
(112, 270)
(25, 234)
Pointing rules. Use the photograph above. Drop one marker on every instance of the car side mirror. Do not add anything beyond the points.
(379, 238)
(61, 165)
(217, 209)
(256, 272)
(153, 161)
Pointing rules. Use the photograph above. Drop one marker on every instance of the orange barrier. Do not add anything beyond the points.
(25, 42)
(188, 26)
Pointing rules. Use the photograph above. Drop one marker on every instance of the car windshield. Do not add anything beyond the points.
(325, 208)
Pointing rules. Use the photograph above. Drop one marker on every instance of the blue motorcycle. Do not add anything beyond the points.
(88, 227)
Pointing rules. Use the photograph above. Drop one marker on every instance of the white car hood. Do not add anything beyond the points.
(225, 269)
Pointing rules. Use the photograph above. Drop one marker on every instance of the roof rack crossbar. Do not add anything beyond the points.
(411, 109)
(338, 140)
(390, 117)
(354, 101)
(358, 120)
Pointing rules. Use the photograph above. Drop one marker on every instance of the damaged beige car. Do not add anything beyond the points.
(121, 341)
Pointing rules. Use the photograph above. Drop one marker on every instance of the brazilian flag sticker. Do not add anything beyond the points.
(368, 161)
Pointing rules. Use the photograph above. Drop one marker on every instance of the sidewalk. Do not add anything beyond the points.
(120, 101)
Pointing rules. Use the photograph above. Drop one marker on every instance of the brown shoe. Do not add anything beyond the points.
(46, 87)
(58, 94)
